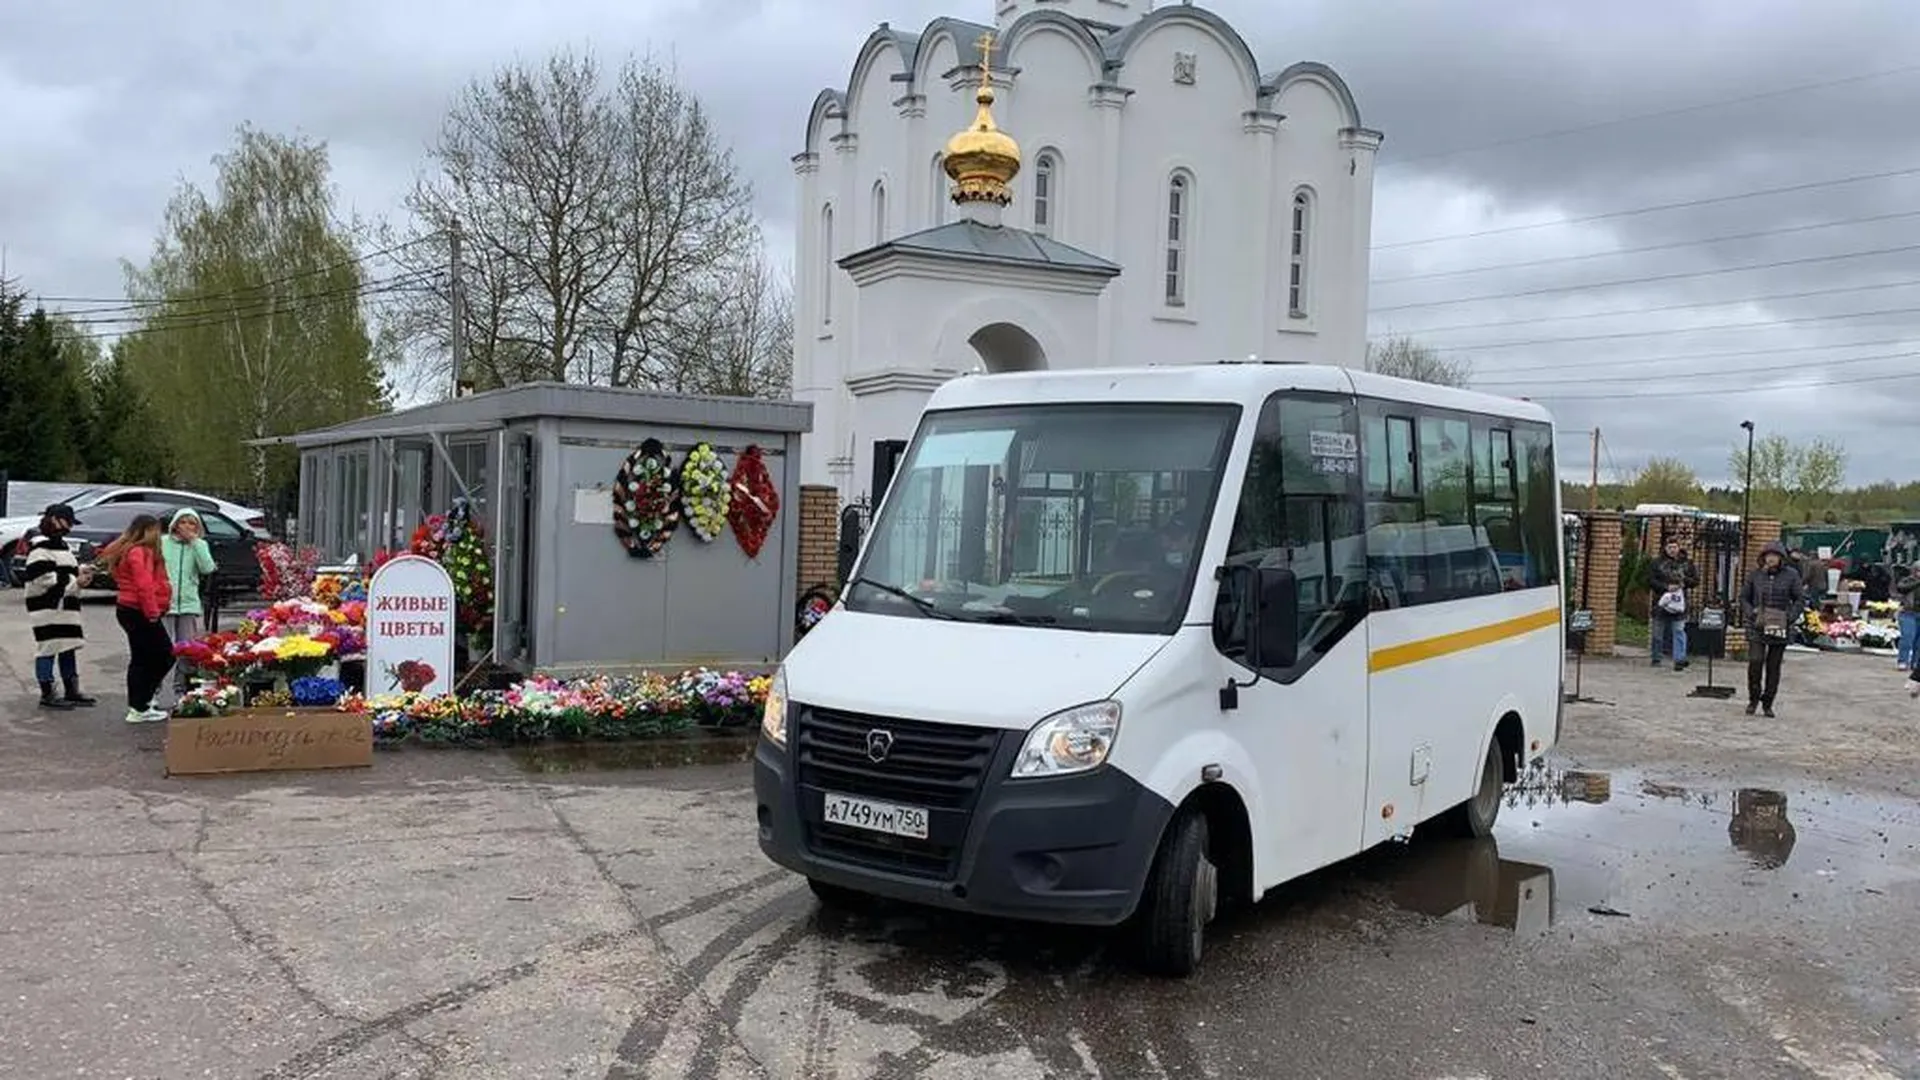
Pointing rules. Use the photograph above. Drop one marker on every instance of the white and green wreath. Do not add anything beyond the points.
(705, 492)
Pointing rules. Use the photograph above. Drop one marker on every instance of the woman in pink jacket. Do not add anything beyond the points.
(140, 575)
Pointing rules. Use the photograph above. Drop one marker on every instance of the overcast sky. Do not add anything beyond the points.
(105, 107)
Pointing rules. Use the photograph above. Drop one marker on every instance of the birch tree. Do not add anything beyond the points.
(252, 322)
(599, 218)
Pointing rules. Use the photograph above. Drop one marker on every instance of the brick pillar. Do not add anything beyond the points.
(819, 536)
(1760, 533)
(1603, 581)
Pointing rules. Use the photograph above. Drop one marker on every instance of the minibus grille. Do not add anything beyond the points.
(938, 766)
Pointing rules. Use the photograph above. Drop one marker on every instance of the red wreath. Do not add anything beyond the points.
(755, 502)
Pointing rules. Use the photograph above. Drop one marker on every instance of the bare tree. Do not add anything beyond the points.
(1406, 358)
(736, 340)
(595, 216)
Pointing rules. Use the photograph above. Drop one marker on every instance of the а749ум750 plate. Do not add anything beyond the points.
(908, 821)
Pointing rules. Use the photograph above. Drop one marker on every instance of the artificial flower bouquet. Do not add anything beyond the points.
(211, 699)
(544, 708)
(705, 492)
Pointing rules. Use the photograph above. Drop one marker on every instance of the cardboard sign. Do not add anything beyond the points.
(263, 740)
(410, 628)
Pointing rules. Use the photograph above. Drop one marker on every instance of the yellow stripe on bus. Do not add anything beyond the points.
(1414, 652)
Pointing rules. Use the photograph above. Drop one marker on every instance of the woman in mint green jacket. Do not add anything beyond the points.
(189, 563)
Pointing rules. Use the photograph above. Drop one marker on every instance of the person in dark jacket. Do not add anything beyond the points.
(51, 584)
(1769, 603)
(1672, 577)
(1906, 588)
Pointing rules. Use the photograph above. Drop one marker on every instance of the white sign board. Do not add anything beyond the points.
(592, 506)
(410, 628)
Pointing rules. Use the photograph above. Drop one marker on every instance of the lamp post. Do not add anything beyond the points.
(1746, 506)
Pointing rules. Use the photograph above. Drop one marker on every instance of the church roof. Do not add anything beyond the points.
(1004, 245)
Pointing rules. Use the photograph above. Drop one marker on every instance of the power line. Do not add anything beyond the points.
(125, 327)
(1635, 211)
(301, 301)
(1804, 294)
(1551, 290)
(1742, 372)
(123, 303)
(1760, 324)
(1671, 246)
(1673, 358)
(1656, 115)
(1718, 391)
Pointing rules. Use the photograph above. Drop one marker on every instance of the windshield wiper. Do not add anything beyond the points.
(926, 606)
(1011, 618)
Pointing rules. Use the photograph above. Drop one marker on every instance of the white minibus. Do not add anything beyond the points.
(1125, 645)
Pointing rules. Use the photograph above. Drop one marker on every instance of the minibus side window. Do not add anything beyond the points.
(1301, 507)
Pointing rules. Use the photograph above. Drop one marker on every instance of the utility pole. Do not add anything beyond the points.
(457, 294)
(1593, 478)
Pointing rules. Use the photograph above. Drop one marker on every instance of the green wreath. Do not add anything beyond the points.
(705, 492)
(646, 507)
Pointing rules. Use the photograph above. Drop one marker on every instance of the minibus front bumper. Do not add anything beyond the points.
(1073, 849)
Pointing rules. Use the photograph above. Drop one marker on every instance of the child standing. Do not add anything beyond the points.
(51, 582)
(189, 563)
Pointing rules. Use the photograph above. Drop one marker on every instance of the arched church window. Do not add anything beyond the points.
(1300, 246)
(1046, 192)
(1179, 235)
(939, 188)
(879, 211)
(826, 269)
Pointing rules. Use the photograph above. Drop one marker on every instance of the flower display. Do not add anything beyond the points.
(544, 707)
(457, 542)
(754, 502)
(315, 692)
(646, 503)
(286, 571)
(705, 492)
(213, 699)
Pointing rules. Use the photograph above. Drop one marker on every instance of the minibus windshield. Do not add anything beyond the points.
(1071, 516)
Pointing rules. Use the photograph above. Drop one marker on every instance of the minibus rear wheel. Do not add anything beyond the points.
(1474, 818)
(1182, 894)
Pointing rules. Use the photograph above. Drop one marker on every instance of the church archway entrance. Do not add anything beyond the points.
(1004, 346)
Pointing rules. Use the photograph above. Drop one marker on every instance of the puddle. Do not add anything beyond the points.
(641, 754)
(1598, 845)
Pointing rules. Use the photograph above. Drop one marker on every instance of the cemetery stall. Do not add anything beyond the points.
(623, 530)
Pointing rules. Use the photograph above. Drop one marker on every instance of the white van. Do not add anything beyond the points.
(1124, 645)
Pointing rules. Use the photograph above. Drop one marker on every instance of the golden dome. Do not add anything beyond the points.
(983, 160)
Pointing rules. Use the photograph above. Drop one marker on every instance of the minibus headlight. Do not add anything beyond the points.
(1071, 741)
(773, 715)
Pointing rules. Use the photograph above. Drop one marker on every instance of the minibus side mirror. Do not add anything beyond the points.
(1269, 613)
(1273, 636)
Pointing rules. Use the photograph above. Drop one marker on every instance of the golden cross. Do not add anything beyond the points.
(985, 45)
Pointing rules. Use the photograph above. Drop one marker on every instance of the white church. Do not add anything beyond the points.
(1084, 183)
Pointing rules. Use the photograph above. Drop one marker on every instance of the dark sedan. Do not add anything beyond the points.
(231, 542)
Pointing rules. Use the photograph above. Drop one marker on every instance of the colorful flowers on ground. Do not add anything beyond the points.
(214, 699)
(286, 571)
(595, 708)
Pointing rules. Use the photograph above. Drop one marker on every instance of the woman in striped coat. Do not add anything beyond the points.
(52, 580)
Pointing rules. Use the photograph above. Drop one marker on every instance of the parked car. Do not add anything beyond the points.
(12, 529)
(232, 544)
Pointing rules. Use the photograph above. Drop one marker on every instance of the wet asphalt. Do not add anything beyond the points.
(1647, 908)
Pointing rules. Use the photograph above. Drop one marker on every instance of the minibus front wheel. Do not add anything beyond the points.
(1182, 894)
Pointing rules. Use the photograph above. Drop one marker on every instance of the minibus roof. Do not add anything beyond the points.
(1246, 384)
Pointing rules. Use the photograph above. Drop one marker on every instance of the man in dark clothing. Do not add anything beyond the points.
(1672, 576)
(1768, 604)
(1876, 585)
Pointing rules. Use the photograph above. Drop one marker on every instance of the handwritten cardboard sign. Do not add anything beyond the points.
(262, 740)
(410, 628)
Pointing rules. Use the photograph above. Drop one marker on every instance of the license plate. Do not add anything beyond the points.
(907, 821)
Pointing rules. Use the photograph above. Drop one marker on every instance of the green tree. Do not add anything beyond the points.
(126, 446)
(1665, 480)
(1792, 481)
(256, 320)
(43, 405)
(1405, 358)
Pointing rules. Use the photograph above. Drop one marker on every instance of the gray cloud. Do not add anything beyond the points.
(106, 111)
